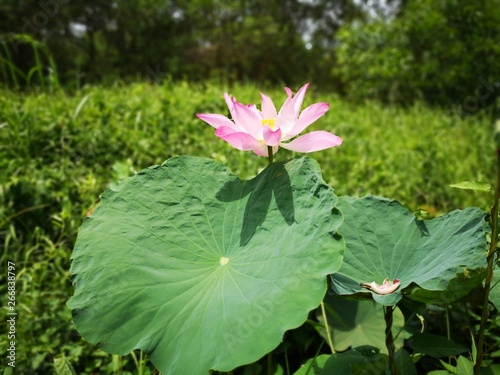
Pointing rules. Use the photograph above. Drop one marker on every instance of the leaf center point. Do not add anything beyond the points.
(223, 261)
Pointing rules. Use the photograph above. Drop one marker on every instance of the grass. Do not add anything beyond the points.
(59, 152)
(15, 77)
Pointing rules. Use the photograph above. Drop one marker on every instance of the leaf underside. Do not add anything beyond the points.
(385, 240)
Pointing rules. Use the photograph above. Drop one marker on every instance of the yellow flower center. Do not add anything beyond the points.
(269, 121)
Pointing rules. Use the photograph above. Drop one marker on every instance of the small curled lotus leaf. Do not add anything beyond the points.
(387, 286)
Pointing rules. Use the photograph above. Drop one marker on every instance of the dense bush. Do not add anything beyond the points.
(444, 52)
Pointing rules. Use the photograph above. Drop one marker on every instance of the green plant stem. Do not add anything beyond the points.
(286, 360)
(134, 357)
(327, 327)
(490, 257)
(448, 330)
(269, 364)
(10, 64)
(389, 339)
(270, 154)
(23, 211)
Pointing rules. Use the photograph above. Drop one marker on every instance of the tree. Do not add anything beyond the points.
(252, 39)
(441, 51)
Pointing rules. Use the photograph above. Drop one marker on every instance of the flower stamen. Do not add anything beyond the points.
(269, 121)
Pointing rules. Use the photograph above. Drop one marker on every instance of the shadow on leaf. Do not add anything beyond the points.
(274, 180)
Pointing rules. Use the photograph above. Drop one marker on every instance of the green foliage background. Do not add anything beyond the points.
(441, 52)
(59, 152)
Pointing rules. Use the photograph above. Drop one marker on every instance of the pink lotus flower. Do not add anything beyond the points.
(387, 286)
(256, 130)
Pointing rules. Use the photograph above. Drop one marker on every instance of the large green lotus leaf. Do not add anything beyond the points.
(361, 360)
(404, 363)
(434, 345)
(200, 269)
(313, 366)
(385, 240)
(465, 281)
(357, 323)
(495, 288)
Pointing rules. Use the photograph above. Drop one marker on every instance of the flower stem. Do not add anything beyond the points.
(327, 327)
(448, 329)
(286, 360)
(270, 154)
(389, 339)
(490, 257)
